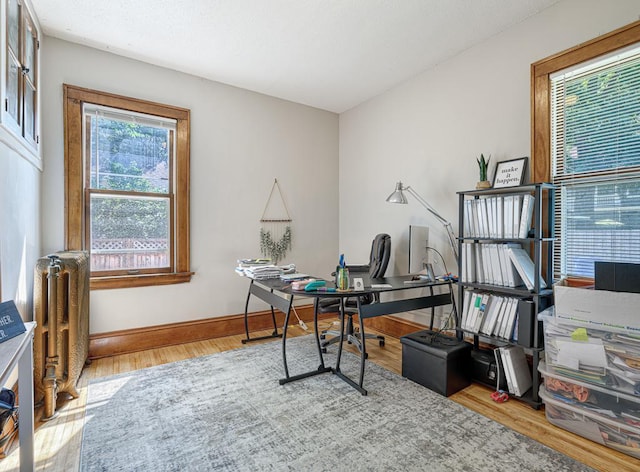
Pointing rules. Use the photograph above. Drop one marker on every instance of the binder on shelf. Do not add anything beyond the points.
(508, 369)
(480, 274)
(515, 361)
(513, 276)
(504, 262)
(495, 305)
(500, 217)
(484, 304)
(469, 230)
(509, 319)
(525, 267)
(484, 218)
(476, 220)
(517, 206)
(495, 264)
(476, 300)
(508, 216)
(526, 216)
(468, 296)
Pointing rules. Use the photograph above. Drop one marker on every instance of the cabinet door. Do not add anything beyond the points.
(14, 68)
(29, 64)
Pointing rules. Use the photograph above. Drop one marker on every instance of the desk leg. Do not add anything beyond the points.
(341, 342)
(316, 302)
(284, 344)
(248, 339)
(321, 368)
(363, 353)
(25, 408)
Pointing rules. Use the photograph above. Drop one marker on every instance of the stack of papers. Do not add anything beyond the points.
(293, 276)
(258, 269)
(262, 272)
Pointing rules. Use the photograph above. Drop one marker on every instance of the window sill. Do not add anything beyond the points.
(580, 282)
(131, 281)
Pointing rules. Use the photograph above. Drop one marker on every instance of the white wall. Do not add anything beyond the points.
(19, 228)
(429, 131)
(240, 142)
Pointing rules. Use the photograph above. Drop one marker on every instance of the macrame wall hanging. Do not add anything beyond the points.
(275, 230)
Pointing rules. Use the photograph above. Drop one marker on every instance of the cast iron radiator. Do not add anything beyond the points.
(61, 311)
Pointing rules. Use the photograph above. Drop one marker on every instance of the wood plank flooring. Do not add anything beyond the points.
(57, 441)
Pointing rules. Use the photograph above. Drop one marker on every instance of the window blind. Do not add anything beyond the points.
(595, 141)
(129, 116)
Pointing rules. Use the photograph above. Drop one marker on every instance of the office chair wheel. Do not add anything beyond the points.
(324, 350)
(381, 342)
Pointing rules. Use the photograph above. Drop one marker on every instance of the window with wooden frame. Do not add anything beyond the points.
(586, 139)
(20, 108)
(127, 188)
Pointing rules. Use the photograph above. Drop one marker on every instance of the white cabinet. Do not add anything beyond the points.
(20, 80)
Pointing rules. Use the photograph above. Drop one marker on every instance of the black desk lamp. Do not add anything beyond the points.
(398, 197)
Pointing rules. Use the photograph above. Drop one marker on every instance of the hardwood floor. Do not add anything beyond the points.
(57, 441)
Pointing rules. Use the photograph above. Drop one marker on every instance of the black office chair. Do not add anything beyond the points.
(376, 268)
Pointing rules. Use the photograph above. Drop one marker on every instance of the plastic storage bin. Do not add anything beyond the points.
(607, 402)
(597, 357)
(620, 432)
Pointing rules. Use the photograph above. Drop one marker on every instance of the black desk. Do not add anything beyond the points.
(283, 301)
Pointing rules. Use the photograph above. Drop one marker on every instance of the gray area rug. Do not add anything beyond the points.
(227, 412)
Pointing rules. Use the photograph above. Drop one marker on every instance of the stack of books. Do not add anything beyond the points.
(491, 315)
(499, 216)
(504, 264)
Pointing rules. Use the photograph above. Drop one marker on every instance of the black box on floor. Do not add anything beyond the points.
(436, 361)
(485, 370)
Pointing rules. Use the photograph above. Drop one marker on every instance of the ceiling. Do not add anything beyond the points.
(329, 54)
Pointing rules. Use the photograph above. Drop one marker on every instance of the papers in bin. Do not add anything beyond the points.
(589, 353)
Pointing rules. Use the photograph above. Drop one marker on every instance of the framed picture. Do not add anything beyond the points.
(510, 173)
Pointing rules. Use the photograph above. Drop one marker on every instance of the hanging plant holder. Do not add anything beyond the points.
(275, 231)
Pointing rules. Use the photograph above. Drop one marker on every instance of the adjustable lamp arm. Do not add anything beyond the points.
(447, 225)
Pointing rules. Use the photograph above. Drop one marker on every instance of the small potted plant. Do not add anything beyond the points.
(483, 165)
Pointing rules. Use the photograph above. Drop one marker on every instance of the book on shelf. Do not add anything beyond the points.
(479, 273)
(507, 369)
(508, 216)
(525, 267)
(489, 263)
(507, 327)
(498, 217)
(512, 275)
(489, 314)
(475, 208)
(484, 302)
(517, 208)
(484, 218)
(465, 309)
(515, 364)
(495, 303)
(472, 309)
(526, 216)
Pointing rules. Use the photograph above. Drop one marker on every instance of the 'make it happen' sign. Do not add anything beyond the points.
(11, 324)
(510, 173)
